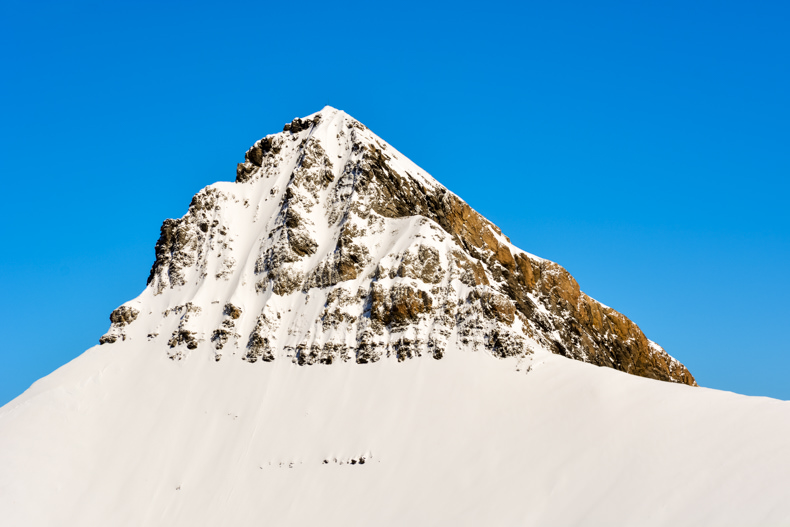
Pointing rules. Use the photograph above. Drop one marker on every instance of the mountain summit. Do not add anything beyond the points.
(333, 246)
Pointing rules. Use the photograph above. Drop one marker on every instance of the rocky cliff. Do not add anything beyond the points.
(332, 246)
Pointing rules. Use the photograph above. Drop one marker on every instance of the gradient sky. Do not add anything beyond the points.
(642, 145)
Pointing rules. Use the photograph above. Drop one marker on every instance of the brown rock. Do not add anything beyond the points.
(587, 331)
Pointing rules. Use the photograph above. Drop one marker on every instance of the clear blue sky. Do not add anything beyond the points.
(642, 145)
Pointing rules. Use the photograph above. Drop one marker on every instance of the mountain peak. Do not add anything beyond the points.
(333, 246)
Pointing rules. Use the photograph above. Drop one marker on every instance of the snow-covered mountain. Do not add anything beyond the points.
(333, 246)
(337, 339)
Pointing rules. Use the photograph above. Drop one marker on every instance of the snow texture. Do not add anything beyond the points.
(125, 436)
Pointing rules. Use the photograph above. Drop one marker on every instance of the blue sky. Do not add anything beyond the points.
(642, 145)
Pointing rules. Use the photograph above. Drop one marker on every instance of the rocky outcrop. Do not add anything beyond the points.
(261, 344)
(186, 334)
(184, 243)
(124, 315)
(227, 329)
(119, 318)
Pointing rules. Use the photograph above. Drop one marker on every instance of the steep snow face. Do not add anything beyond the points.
(333, 246)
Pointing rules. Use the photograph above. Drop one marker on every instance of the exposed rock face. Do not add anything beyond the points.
(124, 315)
(342, 249)
(120, 318)
(185, 242)
(185, 334)
(262, 340)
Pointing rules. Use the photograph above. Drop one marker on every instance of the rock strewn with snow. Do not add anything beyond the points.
(337, 247)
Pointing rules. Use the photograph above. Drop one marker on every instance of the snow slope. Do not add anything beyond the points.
(125, 436)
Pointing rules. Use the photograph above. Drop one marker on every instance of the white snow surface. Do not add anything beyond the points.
(124, 436)
(139, 433)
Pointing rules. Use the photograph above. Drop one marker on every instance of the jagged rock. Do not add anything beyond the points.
(220, 337)
(184, 243)
(124, 315)
(297, 125)
(399, 306)
(422, 264)
(108, 339)
(226, 331)
(367, 351)
(232, 311)
(183, 336)
(261, 342)
(119, 318)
